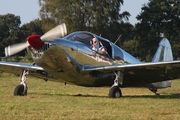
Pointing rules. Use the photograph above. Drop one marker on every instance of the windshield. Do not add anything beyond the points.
(83, 37)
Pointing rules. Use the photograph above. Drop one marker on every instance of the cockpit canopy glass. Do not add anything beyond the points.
(83, 37)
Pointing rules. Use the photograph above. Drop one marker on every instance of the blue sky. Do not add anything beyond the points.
(134, 8)
(28, 9)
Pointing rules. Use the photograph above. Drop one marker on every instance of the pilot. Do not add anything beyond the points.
(101, 50)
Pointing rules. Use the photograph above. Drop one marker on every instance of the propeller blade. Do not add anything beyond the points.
(58, 31)
(13, 49)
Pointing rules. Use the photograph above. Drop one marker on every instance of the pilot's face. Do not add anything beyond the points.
(94, 42)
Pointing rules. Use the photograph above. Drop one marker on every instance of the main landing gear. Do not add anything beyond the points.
(21, 90)
(115, 91)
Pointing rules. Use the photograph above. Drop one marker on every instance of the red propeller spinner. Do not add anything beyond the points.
(35, 41)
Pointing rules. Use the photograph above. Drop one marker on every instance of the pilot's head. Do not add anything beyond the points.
(94, 42)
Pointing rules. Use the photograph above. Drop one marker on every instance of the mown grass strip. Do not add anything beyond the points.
(52, 100)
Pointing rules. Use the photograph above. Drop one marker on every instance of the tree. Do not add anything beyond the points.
(9, 30)
(158, 16)
(98, 16)
(131, 47)
(34, 27)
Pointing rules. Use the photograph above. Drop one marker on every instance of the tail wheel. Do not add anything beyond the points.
(20, 91)
(115, 92)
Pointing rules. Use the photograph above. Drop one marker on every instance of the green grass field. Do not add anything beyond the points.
(53, 101)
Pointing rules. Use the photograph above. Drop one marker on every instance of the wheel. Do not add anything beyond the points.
(115, 92)
(19, 90)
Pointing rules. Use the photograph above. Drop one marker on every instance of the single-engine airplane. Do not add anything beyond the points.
(71, 59)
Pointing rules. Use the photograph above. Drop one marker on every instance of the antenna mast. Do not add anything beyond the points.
(118, 39)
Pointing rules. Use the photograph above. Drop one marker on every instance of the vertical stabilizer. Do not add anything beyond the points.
(163, 53)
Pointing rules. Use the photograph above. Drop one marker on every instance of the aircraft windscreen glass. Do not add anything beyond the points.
(82, 37)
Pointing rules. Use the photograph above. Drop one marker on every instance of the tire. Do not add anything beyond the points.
(115, 92)
(18, 91)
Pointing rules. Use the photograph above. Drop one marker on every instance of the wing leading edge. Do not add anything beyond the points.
(17, 68)
(143, 73)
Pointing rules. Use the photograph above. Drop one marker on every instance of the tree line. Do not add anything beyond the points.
(105, 18)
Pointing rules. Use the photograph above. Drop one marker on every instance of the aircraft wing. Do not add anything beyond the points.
(16, 68)
(143, 73)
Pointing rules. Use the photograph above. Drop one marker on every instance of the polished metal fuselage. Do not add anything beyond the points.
(64, 60)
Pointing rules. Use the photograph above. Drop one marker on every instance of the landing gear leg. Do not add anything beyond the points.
(115, 92)
(21, 89)
(154, 90)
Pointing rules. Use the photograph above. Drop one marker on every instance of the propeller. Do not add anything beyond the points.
(36, 41)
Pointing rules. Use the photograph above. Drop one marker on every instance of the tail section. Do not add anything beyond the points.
(163, 53)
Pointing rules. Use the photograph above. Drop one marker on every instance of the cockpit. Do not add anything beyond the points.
(113, 51)
(87, 39)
